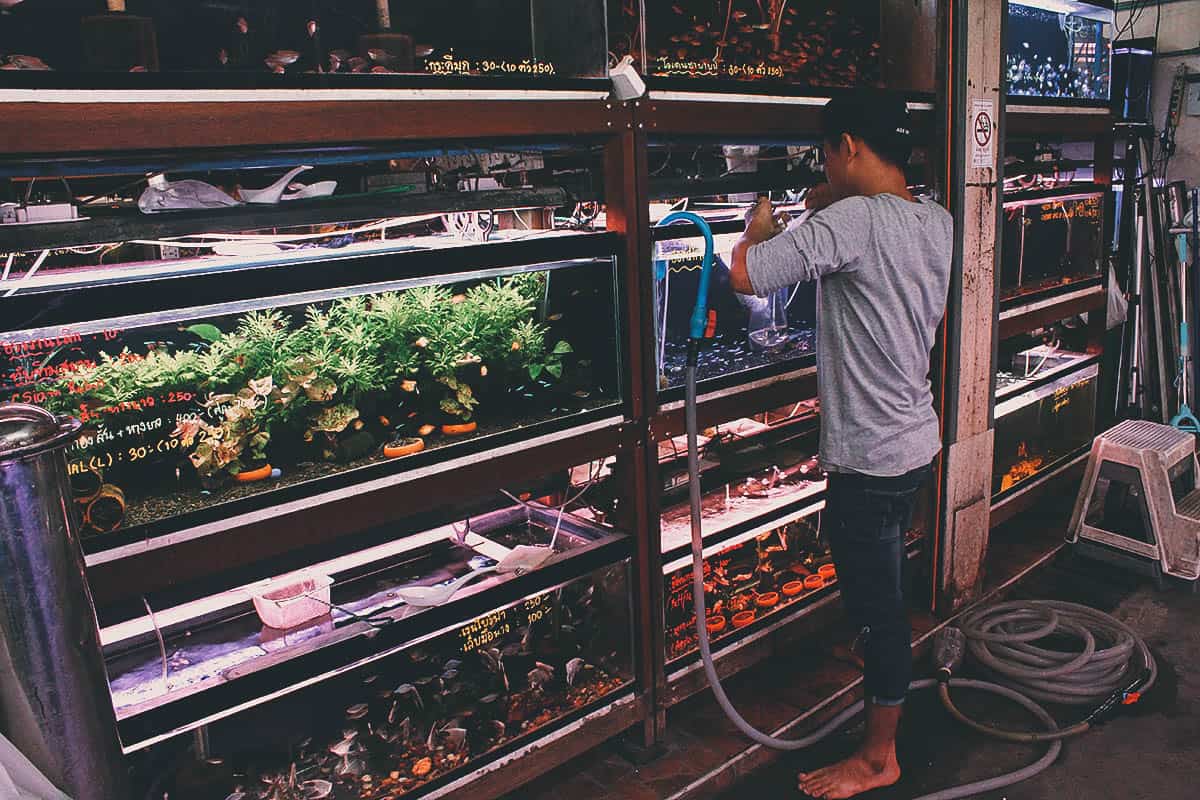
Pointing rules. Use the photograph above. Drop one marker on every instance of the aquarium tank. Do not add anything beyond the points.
(1050, 242)
(752, 333)
(189, 408)
(780, 46)
(1059, 49)
(1041, 427)
(749, 578)
(417, 715)
(299, 43)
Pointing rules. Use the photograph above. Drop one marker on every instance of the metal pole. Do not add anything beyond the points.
(55, 704)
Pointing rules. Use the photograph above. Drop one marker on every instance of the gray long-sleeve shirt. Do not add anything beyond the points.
(883, 266)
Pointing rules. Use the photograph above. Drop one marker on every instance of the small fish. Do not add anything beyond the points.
(357, 711)
(554, 317)
(456, 738)
(574, 666)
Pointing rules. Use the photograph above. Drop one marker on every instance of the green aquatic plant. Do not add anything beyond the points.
(238, 438)
(126, 380)
(311, 373)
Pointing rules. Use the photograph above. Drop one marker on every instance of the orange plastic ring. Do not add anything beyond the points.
(814, 582)
(827, 571)
(715, 625)
(743, 618)
(767, 599)
(259, 474)
(459, 430)
(407, 447)
(793, 588)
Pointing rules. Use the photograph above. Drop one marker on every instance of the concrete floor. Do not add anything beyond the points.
(1152, 751)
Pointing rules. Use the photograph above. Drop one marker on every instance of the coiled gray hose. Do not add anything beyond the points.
(1000, 637)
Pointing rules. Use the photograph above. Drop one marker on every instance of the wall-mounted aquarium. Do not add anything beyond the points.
(297, 43)
(1059, 49)
(749, 45)
(1038, 429)
(239, 391)
(748, 579)
(1050, 242)
(424, 711)
(750, 333)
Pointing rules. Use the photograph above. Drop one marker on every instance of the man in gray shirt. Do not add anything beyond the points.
(882, 262)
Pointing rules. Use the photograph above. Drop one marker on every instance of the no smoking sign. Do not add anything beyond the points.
(982, 124)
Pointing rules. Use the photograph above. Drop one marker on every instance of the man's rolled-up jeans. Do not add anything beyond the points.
(866, 518)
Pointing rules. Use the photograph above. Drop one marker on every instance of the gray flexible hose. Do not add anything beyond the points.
(1000, 637)
(1001, 640)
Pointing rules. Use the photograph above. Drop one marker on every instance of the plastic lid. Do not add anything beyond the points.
(27, 429)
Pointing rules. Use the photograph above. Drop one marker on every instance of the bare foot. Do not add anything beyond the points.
(851, 777)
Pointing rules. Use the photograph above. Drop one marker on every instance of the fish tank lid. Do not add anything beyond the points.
(1100, 10)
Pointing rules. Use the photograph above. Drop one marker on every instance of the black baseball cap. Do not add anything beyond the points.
(880, 119)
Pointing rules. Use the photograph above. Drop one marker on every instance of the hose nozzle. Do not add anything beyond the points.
(949, 648)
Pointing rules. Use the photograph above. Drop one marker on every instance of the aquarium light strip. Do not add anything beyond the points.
(300, 298)
(1076, 360)
(202, 686)
(303, 504)
(1075, 8)
(1033, 395)
(152, 96)
(1057, 300)
(774, 99)
(538, 743)
(200, 265)
(1051, 199)
(741, 388)
(1098, 111)
(766, 527)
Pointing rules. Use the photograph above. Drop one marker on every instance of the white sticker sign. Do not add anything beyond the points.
(982, 128)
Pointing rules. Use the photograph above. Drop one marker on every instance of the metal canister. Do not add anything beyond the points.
(55, 704)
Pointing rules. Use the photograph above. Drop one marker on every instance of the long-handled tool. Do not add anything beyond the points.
(1005, 639)
(1185, 420)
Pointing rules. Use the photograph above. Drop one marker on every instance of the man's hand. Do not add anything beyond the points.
(819, 196)
(761, 223)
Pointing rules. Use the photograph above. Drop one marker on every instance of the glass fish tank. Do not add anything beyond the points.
(216, 653)
(1050, 242)
(1040, 425)
(228, 352)
(750, 45)
(751, 334)
(377, 697)
(297, 43)
(189, 409)
(749, 578)
(1059, 49)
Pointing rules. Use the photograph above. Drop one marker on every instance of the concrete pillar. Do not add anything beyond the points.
(975, 196)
